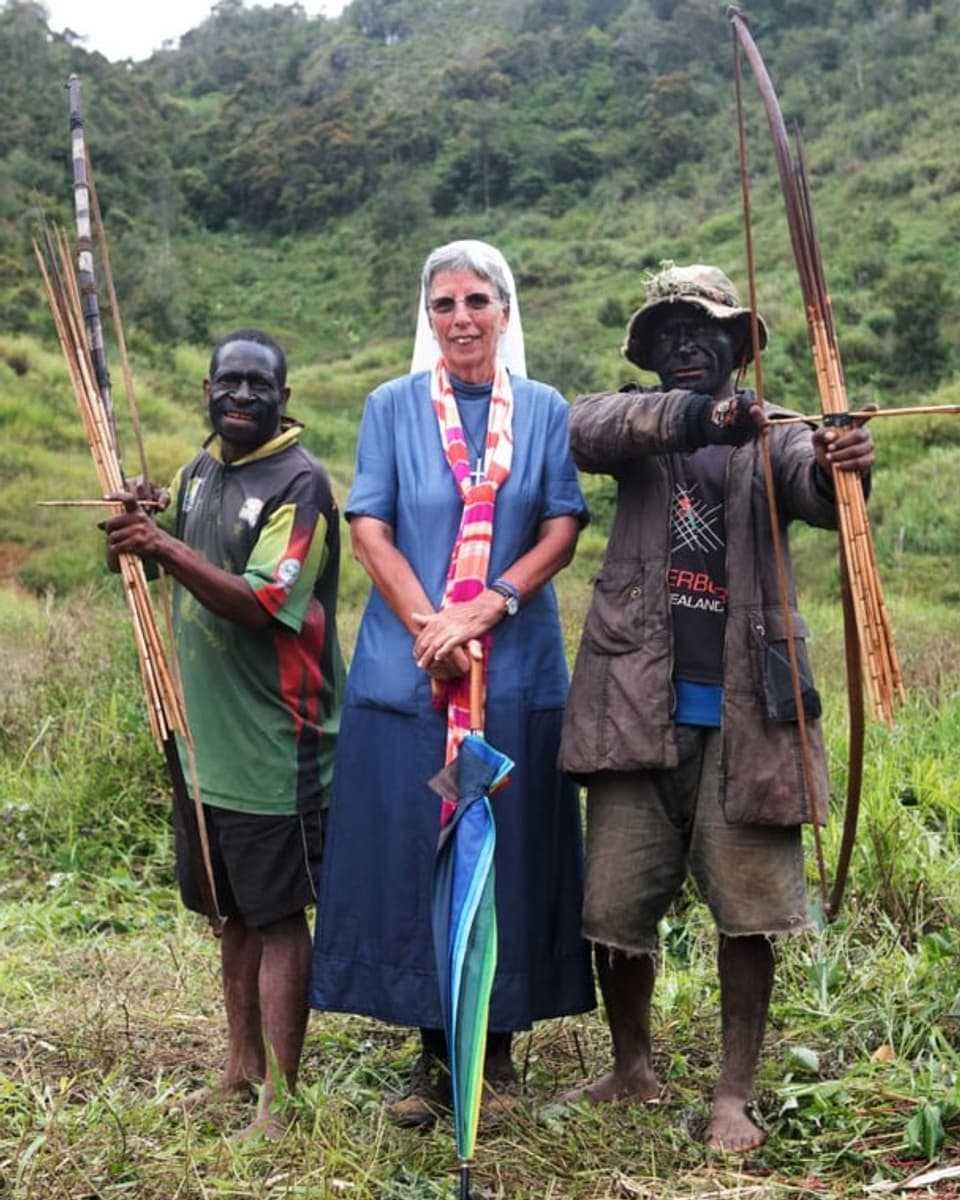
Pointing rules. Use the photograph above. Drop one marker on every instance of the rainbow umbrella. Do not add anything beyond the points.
(465, 920)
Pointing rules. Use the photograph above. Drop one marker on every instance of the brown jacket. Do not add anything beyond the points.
(619, 715)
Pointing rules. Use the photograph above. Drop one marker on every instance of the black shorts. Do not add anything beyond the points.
(265, 868)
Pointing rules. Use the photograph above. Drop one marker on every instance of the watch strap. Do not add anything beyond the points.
(510, 592)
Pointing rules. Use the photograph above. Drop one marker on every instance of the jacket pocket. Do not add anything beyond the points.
(772, 669)
(614, 623)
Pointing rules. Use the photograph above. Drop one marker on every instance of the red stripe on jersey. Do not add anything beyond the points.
(273, 595)
(298, 661)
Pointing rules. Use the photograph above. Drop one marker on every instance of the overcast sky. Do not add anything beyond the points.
(134, 28)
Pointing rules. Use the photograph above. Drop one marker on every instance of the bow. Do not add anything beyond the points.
(87, 361)
(871, 658)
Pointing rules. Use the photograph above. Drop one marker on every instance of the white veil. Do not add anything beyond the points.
(510, 349)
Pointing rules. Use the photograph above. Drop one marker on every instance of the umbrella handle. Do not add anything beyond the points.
(476, 694)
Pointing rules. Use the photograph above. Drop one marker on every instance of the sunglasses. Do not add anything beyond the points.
(473, 301)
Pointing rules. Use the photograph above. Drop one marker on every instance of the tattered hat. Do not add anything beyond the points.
(702, 286)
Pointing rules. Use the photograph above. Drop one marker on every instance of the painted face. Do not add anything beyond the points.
(467, 318)
(692, 351)
(244, 397)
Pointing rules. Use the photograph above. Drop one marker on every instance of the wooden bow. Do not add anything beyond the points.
(870, 654)
(75, 306)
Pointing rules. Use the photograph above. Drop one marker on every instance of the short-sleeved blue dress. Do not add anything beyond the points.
(373, 952)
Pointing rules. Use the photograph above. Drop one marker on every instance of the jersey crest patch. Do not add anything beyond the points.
(288, 572)
(250, 510)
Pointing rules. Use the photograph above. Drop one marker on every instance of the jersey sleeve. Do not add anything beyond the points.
(291, 550)
(167, 519)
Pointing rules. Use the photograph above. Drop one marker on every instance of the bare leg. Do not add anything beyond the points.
(240, 951)
(745, 966)
(282, 987)
(244, 1067)
(626, 983)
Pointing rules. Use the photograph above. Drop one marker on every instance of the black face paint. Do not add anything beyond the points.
(691, 351)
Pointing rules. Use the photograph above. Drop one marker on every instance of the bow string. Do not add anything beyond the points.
(871, 658)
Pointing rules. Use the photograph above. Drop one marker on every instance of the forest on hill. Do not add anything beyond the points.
(293, 171)
(592, 137)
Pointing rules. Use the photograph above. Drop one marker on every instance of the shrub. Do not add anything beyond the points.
(612, 313)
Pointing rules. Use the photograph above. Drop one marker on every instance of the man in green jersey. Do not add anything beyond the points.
(251, 539)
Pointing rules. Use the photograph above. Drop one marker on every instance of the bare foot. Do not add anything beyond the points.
(213, 1095)
(730, 1129)
(270, 1126)
(635, 1085)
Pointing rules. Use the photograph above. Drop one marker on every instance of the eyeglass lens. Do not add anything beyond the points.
(475, 301)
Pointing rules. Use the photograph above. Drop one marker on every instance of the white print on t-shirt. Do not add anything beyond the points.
(190, 495)
(692, 524)
(250, 510)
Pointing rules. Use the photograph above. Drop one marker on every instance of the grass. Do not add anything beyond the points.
(111, 1002)
(110, 992)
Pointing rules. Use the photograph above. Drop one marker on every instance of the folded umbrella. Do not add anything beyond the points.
(464, 915)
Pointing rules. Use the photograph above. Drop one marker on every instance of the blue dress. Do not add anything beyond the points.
(373, 951)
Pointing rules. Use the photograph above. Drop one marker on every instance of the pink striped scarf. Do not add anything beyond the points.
(469, 562)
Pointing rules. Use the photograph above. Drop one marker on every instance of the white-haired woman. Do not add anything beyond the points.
(464, 505)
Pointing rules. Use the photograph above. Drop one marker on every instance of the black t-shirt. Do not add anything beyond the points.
(697, 576)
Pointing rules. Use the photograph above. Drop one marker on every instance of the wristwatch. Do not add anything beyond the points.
(510, 593)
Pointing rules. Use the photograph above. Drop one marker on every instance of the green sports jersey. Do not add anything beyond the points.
(263, 706)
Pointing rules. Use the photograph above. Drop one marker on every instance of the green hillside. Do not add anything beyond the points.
(590, 137)
(294, 171)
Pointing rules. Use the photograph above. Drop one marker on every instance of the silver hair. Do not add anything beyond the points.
(465, 256)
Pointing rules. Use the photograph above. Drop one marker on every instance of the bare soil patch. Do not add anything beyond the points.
(12, 557)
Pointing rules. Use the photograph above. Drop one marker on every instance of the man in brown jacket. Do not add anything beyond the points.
(681, 717)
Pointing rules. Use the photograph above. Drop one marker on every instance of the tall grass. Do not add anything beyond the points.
(110, 992)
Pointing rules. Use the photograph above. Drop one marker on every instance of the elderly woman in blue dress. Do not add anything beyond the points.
(464, 418)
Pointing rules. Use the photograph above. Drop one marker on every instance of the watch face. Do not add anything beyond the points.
(511, 601)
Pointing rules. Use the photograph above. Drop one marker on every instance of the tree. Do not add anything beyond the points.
(919, 299)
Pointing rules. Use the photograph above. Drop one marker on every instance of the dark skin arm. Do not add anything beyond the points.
(845, 449)
(443, 632)
(841, 449)
(224, 594)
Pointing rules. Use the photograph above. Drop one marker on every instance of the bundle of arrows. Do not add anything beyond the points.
(164, 705)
